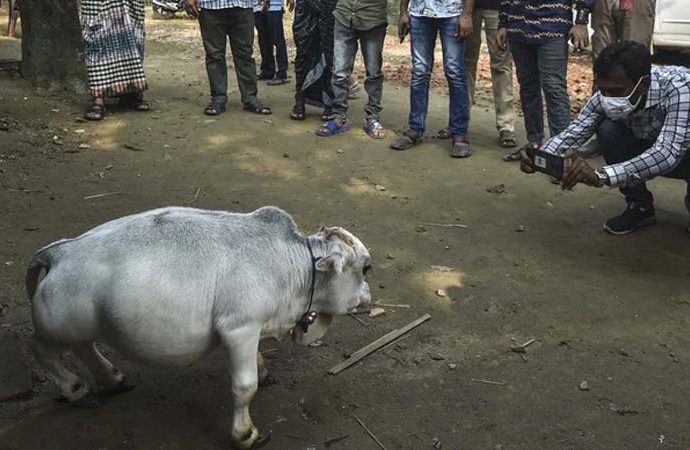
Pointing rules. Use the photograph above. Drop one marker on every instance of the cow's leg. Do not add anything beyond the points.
(265, 377)
(49, 354)
(243, 347)
(103, 370)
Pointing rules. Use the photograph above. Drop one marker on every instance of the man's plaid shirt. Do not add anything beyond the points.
(223, 4)
(665, 119)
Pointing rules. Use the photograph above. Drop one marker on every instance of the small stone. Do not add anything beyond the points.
(452, 366)
(441, 293)
(316, 343)
(340, 151)
(437, 357)
(584, 386)
(80, 131)
(375, 312)
(286, 155)
(520, 228)
(389, 256)
(84, 146)
(380, 187)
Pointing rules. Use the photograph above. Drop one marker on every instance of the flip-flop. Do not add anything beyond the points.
(215, 108)
(406, 141)
(299, 111)
(374, 129)
(331, 128)
(257, 107)
(95, 112)
(507, 139)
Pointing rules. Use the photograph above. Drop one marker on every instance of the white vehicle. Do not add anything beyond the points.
(672, 24)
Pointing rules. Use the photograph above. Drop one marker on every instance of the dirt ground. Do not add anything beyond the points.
(532, 264)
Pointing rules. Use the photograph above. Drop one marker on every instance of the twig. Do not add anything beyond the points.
(358, 320)
(531, 341)
(26, 191)
(269, 350)
(495, 383)
(376, 345)
(196, 194)
(390, 305)
(521, 348)
(104, 194)
(359, 421)
(444, 225)
(329, 442)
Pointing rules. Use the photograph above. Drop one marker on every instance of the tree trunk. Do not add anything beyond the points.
(52, 54)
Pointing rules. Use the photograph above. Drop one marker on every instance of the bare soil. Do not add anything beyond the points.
(532, 264)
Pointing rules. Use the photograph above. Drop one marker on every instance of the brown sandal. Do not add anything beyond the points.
(460, 148)
(95, 112)
(507, 139)
(408, 140)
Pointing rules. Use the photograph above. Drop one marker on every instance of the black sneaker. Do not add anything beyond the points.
(632, 218)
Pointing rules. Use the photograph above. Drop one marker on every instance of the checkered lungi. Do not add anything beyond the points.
(113, 32)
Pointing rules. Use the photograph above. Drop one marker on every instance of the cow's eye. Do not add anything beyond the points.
(366, 269)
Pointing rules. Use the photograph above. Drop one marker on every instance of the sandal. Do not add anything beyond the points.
(443, 134)
(299, 111)
(216, 107)
(277, 81)
(256, 107)
(408, 140)
(460, 148)
(515, 156)
(374, 129)
(507, 139)
(332, 127)
(135, 102)
(327, 115)
(95, 112)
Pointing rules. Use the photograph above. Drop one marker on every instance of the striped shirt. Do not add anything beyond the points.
(664, 118)
(535, 21)
(223, 4)
(273, 5)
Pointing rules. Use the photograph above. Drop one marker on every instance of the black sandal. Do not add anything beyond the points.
(299, 111)
(95, 112)
(216, 107)
(135, 102)
(257, 107)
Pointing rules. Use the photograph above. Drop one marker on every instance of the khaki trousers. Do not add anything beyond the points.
(501, 67)
(611, 25)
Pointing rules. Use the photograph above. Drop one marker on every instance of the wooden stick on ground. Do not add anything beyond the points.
(104, 194)
(376, 345)
(359, 421)
(363, 323)
(391, 305)
(495, 383)
(444, 225)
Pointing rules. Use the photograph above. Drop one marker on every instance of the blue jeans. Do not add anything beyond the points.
(423, 32)
(345, 43)
(618, 144)
(543, 67)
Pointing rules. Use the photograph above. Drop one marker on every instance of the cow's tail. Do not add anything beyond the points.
(42, 259)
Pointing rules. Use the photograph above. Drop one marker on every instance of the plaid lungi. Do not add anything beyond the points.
(113, 32)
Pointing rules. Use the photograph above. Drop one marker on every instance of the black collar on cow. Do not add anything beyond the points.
(309, 317)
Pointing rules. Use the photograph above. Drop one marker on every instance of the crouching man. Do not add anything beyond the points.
(641, 117)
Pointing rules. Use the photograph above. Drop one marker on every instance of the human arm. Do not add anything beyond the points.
(403, 20)
(502, 34)
(579, 34)
(464, 26)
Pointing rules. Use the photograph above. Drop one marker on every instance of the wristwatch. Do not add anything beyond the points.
(603, 177)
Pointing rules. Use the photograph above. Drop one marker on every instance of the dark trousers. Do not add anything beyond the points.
(543, 67)
(269, 28)
(618, 144)
(344, 53)
(217, 25)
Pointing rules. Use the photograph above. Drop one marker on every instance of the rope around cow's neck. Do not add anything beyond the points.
(309, 317)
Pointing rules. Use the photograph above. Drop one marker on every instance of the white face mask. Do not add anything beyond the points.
(617, 108)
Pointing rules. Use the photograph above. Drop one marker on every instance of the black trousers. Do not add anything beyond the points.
(269, 27)
(618, 144)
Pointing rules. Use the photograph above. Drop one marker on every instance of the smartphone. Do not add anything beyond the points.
(405, 32)
(547, 163)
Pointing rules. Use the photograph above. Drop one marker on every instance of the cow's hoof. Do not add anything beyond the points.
(268, 380)
(122, 388)
(263, 439)
(254, 441)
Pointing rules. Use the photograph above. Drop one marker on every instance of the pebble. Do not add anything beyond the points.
(584, 386)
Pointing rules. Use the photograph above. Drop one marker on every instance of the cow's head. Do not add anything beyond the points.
(341, 286)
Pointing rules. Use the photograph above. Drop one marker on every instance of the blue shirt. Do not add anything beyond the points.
(223, 4)
(437, 9)
(537, 21)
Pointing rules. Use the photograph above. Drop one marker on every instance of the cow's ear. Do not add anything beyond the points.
(330, 263)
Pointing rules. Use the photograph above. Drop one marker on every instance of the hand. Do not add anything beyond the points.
(576, 171)
(502, 38)
(403, 26)
(290, 5)
(264, 4)
(579, 36)
(192, 7)
(464, 27)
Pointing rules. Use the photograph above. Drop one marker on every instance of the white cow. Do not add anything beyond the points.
(165, 286)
